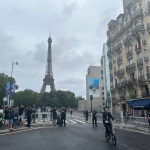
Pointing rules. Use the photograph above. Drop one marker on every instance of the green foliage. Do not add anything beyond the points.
(54, 98)
(3, 80)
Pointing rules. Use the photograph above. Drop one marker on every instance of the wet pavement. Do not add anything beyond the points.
(77, 135)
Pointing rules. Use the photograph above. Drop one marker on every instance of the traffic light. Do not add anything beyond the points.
(91, 97)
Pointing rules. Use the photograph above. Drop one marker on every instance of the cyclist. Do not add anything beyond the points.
(106, 120)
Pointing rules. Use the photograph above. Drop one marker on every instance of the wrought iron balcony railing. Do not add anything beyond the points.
(120, 72)
(130, 67)
(129, 53)
(146, 58)
(140, 61)
(141, 78)
(145, 94)
(132, 82)
(119, 60)
(133, 96)
(137, 29)
(127, 39)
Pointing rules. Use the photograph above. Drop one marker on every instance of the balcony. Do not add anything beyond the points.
(133, 96)
(131, 82)
(136, 14)
(141, 78)
(120, 72)
(127, 39)
(110, 40)
(119, 60)
(113, 98)
(115, 73)
(146, 59)
(112, 87)
(129, 54)
(140, 62)
(122, 98)
(137, 29)
(114, 61)
(145, 94)
(118, 47)
(148, 76)
(109, 52)
(130, 67)
(144, 42)
(122, 84)
(110, 64)
(111, 76)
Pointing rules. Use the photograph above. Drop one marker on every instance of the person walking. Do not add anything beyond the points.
(63, 116)
(10, 119)
(54, 116)
(21, 109)
(71, 112)
(86, 114)
(29, 113)
(15, 119)
(6, 116)
(94, 117)
(33, 113)
(149, 118)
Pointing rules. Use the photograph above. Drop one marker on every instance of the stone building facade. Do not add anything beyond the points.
(129, 57)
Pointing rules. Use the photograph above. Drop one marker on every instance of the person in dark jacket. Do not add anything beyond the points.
(106, 120)
(29, 113)
(86, 114)
(94, 117)
(63, 116)
(10, 119)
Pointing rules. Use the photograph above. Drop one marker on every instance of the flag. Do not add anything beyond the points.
(7, 88)
(137, 45)
(13, 88)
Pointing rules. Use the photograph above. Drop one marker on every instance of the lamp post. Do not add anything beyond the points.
(16, 63)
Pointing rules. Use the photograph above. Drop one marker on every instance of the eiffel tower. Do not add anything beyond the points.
(48, 80)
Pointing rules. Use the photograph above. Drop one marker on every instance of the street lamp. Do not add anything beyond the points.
(13, 63)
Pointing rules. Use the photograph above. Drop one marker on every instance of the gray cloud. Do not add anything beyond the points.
(24, 32)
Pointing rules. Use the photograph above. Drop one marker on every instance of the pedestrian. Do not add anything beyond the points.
(10, 119)
(51, 114)
(21, 109)
(63, 116)
(86, 114)
(128, 115)
(33, 113)
(6, 116)
(15, 119)
(71, 112)
(149, 118)
(54, 116)
(29, 113)
(94, 117)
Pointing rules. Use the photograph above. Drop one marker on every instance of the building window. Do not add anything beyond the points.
(130, 61)
(103, 93)
(102, 78)
(102, 88)
(103, 98)
(101, 72)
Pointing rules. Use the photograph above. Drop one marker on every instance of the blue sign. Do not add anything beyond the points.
(13, 88)
(7, 88)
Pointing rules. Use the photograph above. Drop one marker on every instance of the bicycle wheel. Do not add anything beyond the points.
(114, 141)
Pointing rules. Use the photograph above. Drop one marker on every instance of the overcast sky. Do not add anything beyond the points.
(78, 29)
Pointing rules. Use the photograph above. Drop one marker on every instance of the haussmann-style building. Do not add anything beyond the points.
(129, 58)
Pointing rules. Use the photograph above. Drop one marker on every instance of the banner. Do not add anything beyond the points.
(13, 88)
(94, 87)
(7, 88)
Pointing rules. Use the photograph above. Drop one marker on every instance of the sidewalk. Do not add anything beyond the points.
(33, 125)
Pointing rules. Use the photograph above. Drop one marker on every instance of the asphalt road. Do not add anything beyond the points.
(75, 136)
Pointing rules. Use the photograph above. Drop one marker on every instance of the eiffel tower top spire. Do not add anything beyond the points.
(48, 80)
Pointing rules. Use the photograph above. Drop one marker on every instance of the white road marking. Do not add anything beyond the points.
(72, 121)
(79, 121)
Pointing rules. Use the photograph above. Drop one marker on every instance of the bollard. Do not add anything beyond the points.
(39, 116)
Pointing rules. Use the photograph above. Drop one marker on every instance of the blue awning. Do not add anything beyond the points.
(129, 102)
(141, 103)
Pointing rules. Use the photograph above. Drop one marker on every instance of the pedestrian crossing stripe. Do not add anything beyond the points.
(79, 121)
(71, 121)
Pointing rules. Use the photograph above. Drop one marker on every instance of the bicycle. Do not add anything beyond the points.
(111, 135)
